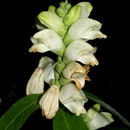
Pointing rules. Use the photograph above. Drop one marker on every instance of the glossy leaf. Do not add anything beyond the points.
(15, 117)
(67, 121)
(94, 98)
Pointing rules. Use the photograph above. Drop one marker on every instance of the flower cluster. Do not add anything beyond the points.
(64, 31)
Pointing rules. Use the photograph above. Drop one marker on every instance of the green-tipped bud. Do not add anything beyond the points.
(52, 8)
(67, 6)
(62, 4)
(73, 15)
(52, 21)
(64, 81)
(60, 66)
(57, 83)
(52, 82)
(61, 12)
(56, 75)
(67, 39)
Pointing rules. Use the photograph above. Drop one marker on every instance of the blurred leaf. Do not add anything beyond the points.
(66, 121)
(108, 107)
(15, 117)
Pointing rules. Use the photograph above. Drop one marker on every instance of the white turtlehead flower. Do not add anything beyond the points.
(87, 29)
(77, 73)
(86, 9)
(46, 40)
(49, 102)
(73, 99)
(96, 119)
(81, 51)
(101, 120)
(44, 72)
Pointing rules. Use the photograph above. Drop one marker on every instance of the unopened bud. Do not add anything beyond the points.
(52, 8)
(73, 15)
(62, 4)
(60, 66)
(67, 6)
(52, 21)
(61, 12)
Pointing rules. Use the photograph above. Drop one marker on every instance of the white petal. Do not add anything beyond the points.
(81, 51)
(86, 9)
(101, 120)
(49, 102)
(83, 27)
(47, 64)
(44, 62)
(73, 99)
(39, 48)
(44, 72)
(46, 40)
(91, 35)
(36, 85)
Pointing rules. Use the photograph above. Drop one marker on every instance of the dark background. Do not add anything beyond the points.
(110, 80)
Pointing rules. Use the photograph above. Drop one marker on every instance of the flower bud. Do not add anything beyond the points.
(73, 15)
(67, 39)
(86, 9)
(60, 66)
(52, 8)
(62, 4)
(67, 6)
(61, 12)
(64, 81)
(52, 21)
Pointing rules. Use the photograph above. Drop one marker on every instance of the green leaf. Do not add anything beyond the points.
(15, 117)
(66, 121)
(108, 107)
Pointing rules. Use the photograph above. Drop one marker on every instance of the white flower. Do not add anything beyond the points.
(86, 28)
(77, 73)
(96, 119)
(101, 120)
(86, 9)
(73, 99)
(49, 102)
(44, 72)
(81, 51)
(46, 40)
